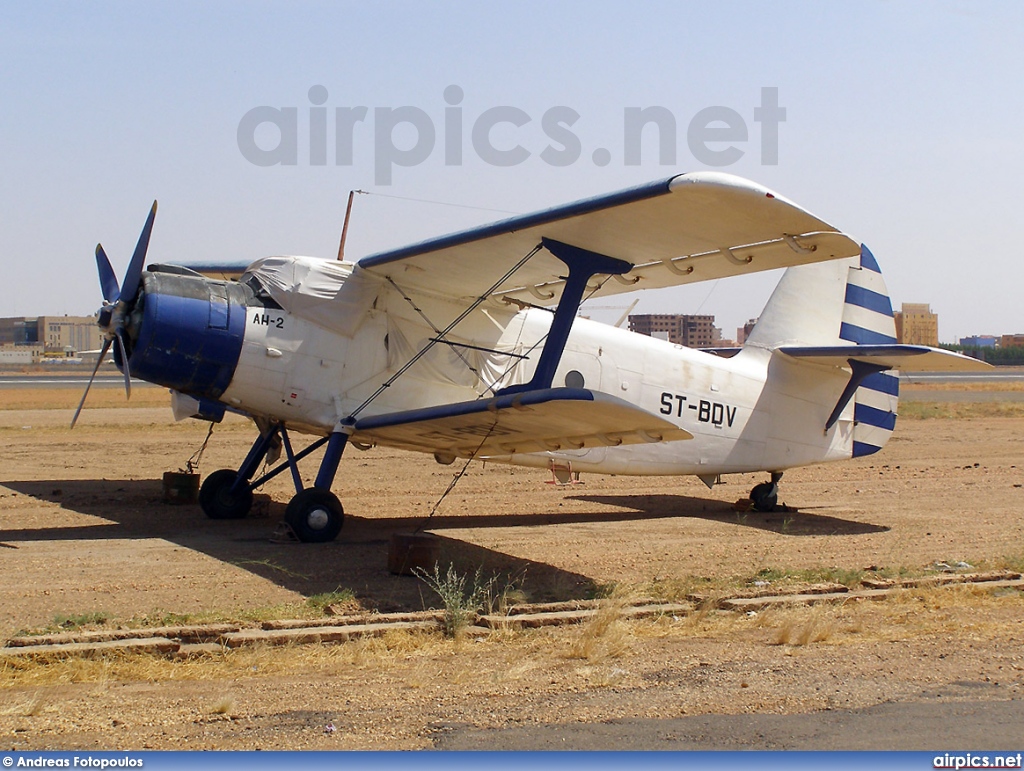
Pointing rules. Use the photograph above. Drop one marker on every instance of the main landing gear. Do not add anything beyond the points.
(765, 496)
(315, 514)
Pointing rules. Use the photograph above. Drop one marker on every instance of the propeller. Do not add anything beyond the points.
(118, 303)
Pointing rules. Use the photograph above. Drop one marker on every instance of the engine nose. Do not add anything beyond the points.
(186, 333)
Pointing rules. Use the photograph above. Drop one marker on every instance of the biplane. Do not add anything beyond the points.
(470, 346)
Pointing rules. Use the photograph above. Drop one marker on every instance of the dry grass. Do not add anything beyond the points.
(225, 705)
(996, 387)
(913, 410)
(605, 635)
(33, 706)
(422, 659)
(803, 629)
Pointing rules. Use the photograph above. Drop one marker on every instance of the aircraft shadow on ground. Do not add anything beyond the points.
(358, 560)
(134, 509)
(795, 522)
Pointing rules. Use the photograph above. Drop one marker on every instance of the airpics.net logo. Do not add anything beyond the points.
(499, 136)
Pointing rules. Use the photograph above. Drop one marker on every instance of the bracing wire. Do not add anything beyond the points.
(457, 477)
(458, 320)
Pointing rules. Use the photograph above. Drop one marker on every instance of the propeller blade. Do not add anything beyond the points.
(103, 353)
(108, 281)
(124, 362)
(132, 277)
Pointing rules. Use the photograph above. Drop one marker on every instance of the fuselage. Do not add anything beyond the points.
(311, 364)
(750, 412)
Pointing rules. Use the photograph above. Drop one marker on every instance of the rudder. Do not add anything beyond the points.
(868, 320)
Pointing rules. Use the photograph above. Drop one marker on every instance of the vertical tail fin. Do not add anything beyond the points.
(835, 303)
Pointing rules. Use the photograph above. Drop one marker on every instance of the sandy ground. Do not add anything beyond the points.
(83, 530)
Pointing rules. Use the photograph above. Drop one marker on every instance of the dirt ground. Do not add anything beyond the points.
(84, 533)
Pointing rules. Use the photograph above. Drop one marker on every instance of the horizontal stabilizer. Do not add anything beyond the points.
(905, 358)
(549, 419)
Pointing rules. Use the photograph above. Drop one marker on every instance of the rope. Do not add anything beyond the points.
(457, 477)
(490, 431)
(192, 464)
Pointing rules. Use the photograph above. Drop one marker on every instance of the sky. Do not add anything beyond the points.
(902, 127)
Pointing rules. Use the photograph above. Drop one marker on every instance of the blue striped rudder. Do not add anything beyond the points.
(868, 320)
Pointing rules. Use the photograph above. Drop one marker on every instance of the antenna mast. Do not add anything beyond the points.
(344, 228)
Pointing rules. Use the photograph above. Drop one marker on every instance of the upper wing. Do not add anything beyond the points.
(691, 227)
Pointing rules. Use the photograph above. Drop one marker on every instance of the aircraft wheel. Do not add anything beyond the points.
(765, 496)
(219, 502)
(315, 516)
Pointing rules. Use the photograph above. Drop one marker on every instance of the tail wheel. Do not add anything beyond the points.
(315, 516)
(219, 501)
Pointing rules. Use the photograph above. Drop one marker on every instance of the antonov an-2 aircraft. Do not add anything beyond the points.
(470, 346)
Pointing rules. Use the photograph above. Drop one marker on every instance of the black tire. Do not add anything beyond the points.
(217, 500)
(765, 496)
(315, 516)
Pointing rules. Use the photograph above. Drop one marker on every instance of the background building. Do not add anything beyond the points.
(1011, 341)
(55, 334)
(681, 329)
(917, 325)
(19, 355)
(742, 333)
(18, 331)
(979, 341)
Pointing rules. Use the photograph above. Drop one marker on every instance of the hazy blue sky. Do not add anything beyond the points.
(903, 127)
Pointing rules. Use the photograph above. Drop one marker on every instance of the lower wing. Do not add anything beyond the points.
(534, 421)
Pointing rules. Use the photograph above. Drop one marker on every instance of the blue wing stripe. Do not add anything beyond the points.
(863, 336)
(865, 298)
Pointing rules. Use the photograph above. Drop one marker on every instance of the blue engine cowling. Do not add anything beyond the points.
(186, 333)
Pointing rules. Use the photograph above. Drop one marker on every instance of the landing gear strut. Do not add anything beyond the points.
(314, 514)
(765, 496)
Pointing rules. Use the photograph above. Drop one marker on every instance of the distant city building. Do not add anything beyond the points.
(742, 333)
(18, 355)
(979, 341)
(56, 334)
(18, 331)
(917, 325)
(681, 329)
(1011, 341)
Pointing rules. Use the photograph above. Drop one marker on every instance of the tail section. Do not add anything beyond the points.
(868, 320)
(839, 303)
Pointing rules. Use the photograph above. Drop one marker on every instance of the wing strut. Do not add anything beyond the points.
(861, 370)
(583, 265)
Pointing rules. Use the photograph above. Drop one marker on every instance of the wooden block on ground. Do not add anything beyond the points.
(321, 634)
(88, 649)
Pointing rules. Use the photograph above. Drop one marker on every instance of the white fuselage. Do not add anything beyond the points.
(754, 411)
